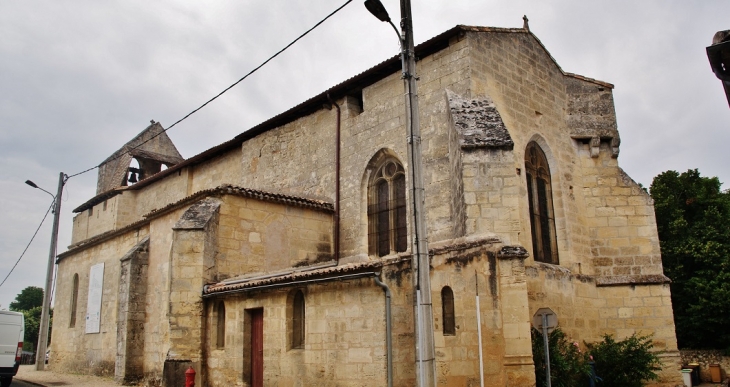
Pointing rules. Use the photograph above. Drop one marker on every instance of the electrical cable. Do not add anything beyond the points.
(31, 240)
(224, 90)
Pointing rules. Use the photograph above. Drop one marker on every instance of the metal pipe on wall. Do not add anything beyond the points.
(479, 333)
(337, 179)
(388, 329)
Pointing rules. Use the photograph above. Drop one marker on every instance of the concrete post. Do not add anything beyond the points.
(40, 356)
(425, 351)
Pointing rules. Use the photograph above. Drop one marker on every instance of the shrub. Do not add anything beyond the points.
(568, 365)
(625, 363)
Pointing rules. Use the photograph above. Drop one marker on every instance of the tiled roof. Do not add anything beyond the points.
(292, 277)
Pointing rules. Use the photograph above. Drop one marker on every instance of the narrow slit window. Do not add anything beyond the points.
(220, 341)
(447, 311)
(298, 320)
(74, 301)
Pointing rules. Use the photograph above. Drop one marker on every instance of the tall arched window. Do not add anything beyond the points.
(542, 216)
(74, 301)
(447, 311)
(297, 337)
(220, 337)
(387, 227)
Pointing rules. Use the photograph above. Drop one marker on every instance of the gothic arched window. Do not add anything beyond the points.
(387, 229)
(542, 216)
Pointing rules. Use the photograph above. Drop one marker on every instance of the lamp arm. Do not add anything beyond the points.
(400, 37)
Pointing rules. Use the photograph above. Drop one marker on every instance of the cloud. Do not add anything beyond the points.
(79, 79)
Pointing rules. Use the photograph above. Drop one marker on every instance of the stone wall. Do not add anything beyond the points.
(159, 283)
(98, 219)
(344, 342)
(224, 169)
(587, 312)
(132, 204)
(705, 358)
(73, 349)
(195, 242)
(263, 237)
(345, 326)
(604, 220)
(129, 366)
(298, 158)
(515, 72)
(160, 193)
(620, 217)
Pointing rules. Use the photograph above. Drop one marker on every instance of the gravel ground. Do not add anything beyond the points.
(27, 373)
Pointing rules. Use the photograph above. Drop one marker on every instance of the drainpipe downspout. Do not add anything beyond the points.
(337, 179)
(388, 329)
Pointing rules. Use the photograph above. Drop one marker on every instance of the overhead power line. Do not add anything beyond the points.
(224, 90)
(27, 246)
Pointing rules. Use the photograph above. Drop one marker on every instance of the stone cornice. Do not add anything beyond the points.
(638, 279)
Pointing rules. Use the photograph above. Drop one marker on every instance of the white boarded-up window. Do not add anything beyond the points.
(93, 304)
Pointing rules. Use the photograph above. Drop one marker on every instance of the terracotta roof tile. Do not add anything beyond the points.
(294, 276)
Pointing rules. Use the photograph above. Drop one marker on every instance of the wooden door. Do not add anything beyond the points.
(257, 348)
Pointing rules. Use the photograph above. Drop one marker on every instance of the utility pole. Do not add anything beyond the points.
(40, 356)
(425, 351)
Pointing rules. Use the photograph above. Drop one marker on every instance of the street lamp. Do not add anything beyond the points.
(32, 184)
(40, 356)
(425, 351)
(719, 55)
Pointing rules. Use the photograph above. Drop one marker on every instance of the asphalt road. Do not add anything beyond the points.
(19, 383)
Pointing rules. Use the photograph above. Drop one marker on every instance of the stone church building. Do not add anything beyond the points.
(282, 257)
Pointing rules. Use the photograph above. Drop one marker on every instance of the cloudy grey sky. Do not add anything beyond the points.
(80, 78)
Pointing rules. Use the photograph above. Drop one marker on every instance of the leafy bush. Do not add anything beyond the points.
(568, 365)
(625, 363)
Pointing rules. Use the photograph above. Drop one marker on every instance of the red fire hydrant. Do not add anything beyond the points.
(190, 377)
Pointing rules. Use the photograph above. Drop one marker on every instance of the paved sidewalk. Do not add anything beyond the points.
(27, 373)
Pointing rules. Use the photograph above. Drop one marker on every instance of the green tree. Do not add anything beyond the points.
(693, 214)
(27, 299)
(32, 326)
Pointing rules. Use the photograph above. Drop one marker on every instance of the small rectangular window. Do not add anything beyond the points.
(298, 321)
(220, 341)
(447, 309)
(74, 301)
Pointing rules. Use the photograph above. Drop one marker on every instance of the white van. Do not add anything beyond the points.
(12, 329)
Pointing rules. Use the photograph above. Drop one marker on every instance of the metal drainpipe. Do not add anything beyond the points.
(388, 329)
(337, 179)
